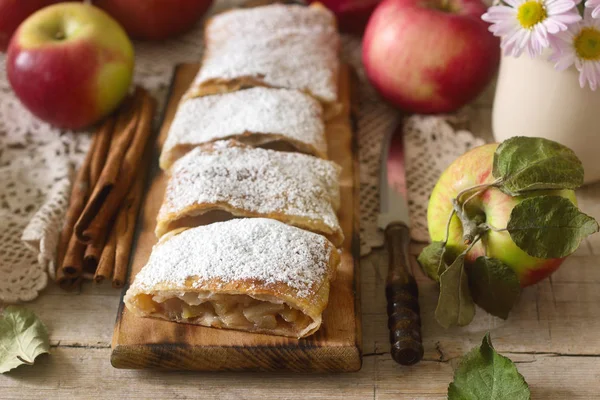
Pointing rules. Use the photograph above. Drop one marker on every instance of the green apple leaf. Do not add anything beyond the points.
(455, 305)
(22, 338)
(524, 163)
(431, 260)
(485, 374)
(494, 286)
(549, 226)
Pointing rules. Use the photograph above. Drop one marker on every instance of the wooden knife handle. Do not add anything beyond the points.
(404, 320)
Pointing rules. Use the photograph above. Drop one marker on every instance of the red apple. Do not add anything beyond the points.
(13, 12)
(429, 56)
(474, 168)
(155, 19)
(70, 64)
(352, 15)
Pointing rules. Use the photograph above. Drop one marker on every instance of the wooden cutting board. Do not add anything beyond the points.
(150, 343)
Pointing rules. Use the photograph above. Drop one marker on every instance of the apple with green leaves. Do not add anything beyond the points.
(494, 206)
(70, 64)
(502, 217)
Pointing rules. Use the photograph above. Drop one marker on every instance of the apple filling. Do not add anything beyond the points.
(240, 312)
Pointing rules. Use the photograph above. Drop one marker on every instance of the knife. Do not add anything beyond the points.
(404, 321)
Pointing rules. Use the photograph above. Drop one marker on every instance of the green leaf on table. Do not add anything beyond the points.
(485, 374)
(431, 260)
(455, 305)
(524, 163)
(22, 338)
(494, 286)
(549, 226)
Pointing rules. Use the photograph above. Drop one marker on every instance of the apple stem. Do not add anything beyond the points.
(472, 227)
(492, 228)
(448, 226)
(472, 244)
(478, 188)
(471, 197)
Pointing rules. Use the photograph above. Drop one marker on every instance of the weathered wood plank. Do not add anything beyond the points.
(549, 377)
(82, 318)
(86, 373)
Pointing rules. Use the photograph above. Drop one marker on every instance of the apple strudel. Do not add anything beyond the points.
(227, 179)
(279, 119)
(282, 46)
(253, 274)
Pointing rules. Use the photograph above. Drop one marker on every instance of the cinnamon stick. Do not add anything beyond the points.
(92, 255)
(104, 137)
(106, 265)
(65, 283)
(61, 280)
(77, 199)
(73, 262)
(125, 129)
(125, 229)
(129, 168)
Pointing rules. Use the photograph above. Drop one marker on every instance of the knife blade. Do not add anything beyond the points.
(404, 321)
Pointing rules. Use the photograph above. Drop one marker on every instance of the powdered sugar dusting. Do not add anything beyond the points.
(258, 110)
(257, 180)
(269, 19)
(285, 46)
(258, 249)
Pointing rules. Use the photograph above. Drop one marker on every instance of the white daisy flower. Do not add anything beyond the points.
(526, 24)
(580, 45)
(595, 6)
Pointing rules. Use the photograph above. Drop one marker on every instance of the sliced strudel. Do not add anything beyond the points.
(280, 119)
(228, 179)
(256, 275)
(283, 46)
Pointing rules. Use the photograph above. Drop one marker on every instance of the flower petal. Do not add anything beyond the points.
(560, 7)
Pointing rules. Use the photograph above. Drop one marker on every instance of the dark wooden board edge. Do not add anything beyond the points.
(354, 106)
(315, 359)
(180, 356)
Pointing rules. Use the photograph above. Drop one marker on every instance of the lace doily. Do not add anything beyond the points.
(37, 163)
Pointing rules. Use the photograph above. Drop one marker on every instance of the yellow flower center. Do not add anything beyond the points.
(530, 13)
(587, 44)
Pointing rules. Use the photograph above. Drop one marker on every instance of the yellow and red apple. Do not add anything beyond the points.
(70, 64)
(474, 168)
(429, 56)
(155, 19)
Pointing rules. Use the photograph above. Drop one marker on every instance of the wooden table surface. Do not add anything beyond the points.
(553, 335)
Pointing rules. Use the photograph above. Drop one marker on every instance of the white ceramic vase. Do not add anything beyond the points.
(533, 99)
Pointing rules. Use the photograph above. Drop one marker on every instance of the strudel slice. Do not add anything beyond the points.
(283, 46)
(280, 119)
(228, 179)
(255, 274)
